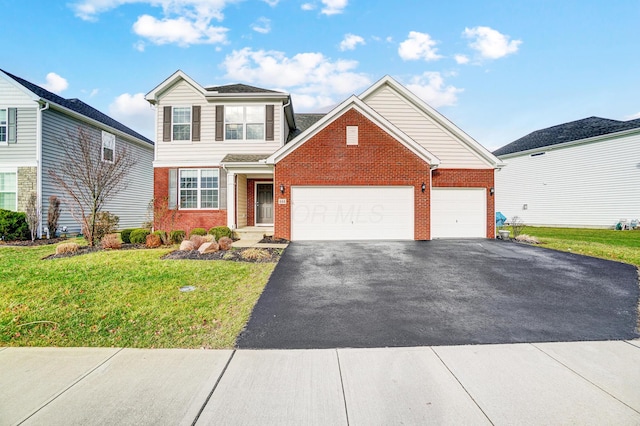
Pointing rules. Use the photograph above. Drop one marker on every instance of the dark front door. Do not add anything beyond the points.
(264, 203)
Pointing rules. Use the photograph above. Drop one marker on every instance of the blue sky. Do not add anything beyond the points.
(498, 69)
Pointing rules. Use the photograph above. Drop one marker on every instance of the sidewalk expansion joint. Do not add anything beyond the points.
(206, 401)
(344, 395)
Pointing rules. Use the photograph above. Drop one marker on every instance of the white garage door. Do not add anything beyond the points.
(352, 213)
(458, 213)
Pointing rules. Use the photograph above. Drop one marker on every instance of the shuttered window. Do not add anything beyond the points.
(4, 128)
(181, 123)
(245, 122)
(199, 188)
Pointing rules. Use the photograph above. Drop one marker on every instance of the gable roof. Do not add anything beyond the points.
(303, 122)
(357, 104)
(77, 106)
(437, 117)
(568, 132)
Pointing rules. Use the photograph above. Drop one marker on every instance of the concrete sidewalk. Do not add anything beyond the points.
(542, 383)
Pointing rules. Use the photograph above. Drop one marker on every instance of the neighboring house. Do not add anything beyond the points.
(582, 173)
(33, 121)
(382, 165)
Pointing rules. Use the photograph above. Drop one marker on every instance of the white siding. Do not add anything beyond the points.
(207, 151)
(130, 205)
(13, 96)
(452, 152)
(593, 184)
(24, 151)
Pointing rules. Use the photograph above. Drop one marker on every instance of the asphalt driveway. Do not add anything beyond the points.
(443, 292)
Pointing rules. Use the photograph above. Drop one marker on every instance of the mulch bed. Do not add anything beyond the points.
(271, 240)
(234, 255)
(86, 250)
(29, 243)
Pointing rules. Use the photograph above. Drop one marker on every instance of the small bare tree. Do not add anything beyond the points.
(53, 215)
(88, 180)
(517, 224)
(33, 215)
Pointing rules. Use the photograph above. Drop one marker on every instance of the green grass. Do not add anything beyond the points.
(124, 298)
(622, 246)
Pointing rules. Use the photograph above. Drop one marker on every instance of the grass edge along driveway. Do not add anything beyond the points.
(127, 298)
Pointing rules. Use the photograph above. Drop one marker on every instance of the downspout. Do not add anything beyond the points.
(41, 109)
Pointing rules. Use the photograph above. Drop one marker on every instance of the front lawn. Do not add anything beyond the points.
(124, 298)
(623, 246)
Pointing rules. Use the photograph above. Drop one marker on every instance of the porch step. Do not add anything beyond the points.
(250, 235)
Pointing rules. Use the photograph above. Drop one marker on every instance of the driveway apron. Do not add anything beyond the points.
(442, 292)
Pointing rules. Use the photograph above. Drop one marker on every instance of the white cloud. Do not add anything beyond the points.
(182, 22)
(490, 43)
(334, 7)
(350, 42)
(180, 31)
(419, 46)
(461, 59)
(272, 3)
(139, 46)
(431, 88)
(313, 79)
(262, 26)
(135, 112)
(308, 6)
(55, 83)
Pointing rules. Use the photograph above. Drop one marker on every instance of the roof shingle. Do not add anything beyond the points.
(239, 88)
(567, 132)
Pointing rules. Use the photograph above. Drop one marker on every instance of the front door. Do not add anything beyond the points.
(264, 203)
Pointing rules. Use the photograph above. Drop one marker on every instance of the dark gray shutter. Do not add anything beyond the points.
(166, 124)
(222, 198)
(219, 122)
(12, 130)
(269, 122)
(195, 123)
(172, 196)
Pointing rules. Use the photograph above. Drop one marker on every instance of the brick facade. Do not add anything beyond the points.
(186, 220)
(470, 178)
(377, 160)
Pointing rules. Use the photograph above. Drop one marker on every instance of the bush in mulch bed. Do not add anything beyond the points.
(87, 249)
(235, 255)
(271, 240)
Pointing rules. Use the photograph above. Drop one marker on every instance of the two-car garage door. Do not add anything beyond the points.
(383, 213)
(352, 213)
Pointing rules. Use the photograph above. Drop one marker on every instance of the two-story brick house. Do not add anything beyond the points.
(382, 165)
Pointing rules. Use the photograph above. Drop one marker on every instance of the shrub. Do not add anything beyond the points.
(13, 225)
(139, 236)
(105, 223)
(197, 241)
(177, 236)
(225, 243)
(198, 231)
(53, 215)
(67, 248)
(517, 225)
(153, 241)
(255, 254)
(220, 231)
(111, 241)
(33, 215)
(125, 235)
(163, 236)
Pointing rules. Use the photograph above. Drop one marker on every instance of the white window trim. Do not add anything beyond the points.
(244, 122)
(198, 189)
(6, 141)
(13, 170)
(108, 137)
(190, 123)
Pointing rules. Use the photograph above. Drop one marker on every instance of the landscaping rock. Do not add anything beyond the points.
(210, 247)
(187, 246)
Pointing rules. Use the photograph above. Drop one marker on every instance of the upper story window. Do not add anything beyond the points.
(3, 125)
(181, 123)
(199, 188)
(8, 191)
(244, 122)
(108, 146)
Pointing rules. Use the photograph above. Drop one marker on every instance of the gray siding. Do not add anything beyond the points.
(592, 185)
(24, 151)
(131, 205)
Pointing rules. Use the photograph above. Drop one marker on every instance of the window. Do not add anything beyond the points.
(181, 123)
(3, 125)
(199, 188)
(244, 122)
(8, 191)
(108, 146)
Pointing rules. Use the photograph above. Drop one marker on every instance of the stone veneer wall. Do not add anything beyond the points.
(27, 183)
